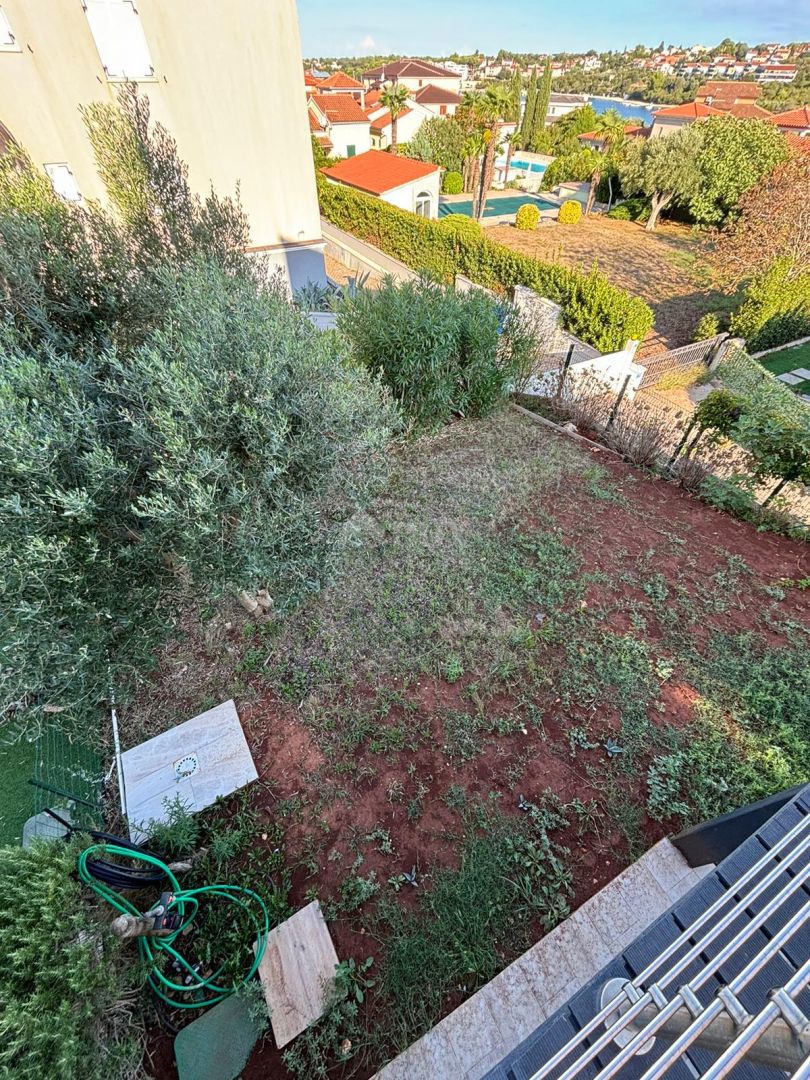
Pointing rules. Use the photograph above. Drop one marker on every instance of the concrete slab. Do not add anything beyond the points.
(297, 972)
(789, 378)
(802, 372)
(199, 761)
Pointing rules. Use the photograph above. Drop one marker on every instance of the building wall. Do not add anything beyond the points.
(228, 85)
(453, 84)
(663, 128)
(405, 196)
(407, 127)
(345, 135)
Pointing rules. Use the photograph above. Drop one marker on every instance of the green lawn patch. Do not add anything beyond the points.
(786, 360)
(16, 794)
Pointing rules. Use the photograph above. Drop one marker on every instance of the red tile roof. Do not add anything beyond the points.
(694, 110)
(794, 118)
(376, 172)
(372, 98)
(340, 108)
(435, 95)
(744, 111)
(379, 123)
(410, 69)
(730, 90)
(341, 81)
(798, 142)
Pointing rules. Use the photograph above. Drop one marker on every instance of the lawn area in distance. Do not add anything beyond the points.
(525, 639)
(788, 360)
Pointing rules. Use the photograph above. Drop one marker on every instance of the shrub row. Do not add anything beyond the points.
(592, 308)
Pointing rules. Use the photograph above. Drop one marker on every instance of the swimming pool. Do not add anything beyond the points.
(525, 166)
(495, 207)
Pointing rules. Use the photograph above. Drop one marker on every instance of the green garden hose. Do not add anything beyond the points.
(185, 902)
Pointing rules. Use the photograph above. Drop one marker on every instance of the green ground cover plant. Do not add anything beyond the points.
(68, 1008)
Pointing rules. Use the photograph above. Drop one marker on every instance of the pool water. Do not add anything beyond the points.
(495, 207)
(525, 166)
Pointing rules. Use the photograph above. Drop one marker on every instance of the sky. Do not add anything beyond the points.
(439, 27)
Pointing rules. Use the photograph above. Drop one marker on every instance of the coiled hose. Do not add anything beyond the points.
(186, 903)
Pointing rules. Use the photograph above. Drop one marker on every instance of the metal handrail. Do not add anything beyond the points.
(638, 1000)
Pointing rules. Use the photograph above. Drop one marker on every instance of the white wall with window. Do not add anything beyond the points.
(119, 37)
(347, 136)
(419, 196)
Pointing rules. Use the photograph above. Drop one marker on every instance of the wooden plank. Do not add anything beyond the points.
(297, 972)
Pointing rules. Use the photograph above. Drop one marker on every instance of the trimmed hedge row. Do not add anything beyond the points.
(592, 308)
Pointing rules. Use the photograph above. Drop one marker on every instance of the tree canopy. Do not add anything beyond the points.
(664, 169)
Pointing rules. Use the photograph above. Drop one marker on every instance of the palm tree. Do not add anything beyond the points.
(610, 127)
(483, 112)
(393, 97)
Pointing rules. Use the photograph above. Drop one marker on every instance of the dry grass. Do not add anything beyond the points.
(667, 268)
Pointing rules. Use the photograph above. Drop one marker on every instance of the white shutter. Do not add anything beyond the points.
(119, 37)
(64, 182)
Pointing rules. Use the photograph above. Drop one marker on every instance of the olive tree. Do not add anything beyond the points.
(664, 169)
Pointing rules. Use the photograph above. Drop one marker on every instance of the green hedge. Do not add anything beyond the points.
(776, 308)
(593, 309)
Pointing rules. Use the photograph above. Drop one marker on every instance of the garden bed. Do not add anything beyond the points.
(519, 614)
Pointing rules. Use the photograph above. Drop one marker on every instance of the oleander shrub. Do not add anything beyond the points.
(570, 212)
(452, 183)
(65, 982)
(442, 353)
(527, 218)
(446, 251)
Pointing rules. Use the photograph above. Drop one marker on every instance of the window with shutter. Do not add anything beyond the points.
(7, 40)
(64, 182)
(119, 37)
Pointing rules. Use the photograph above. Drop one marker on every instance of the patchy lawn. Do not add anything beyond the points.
(534, 662)
(667, 268)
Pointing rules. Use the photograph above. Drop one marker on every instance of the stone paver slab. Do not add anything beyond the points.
(667, 866)
(516, 1007)
(297, 971)
(473, 1032)
(789, 378)
(802, 372)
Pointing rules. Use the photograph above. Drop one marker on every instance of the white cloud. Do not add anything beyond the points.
(367, 43)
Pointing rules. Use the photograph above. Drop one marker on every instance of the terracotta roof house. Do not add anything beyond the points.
(746, 111)
(668, 121)
(438, 100)
(795, 121)
(340, 118)
(341, 83)
(414, 74)
(403, 182)
(727, 92)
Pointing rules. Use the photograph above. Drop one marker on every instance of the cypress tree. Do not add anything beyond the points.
(541, 103)
(528, 113)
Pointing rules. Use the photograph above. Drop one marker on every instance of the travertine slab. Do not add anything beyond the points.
(297, 972)
(200, 760)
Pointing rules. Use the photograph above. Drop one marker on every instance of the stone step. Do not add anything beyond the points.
(494, 1021)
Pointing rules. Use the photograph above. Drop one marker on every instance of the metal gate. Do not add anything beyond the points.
(687, 356)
